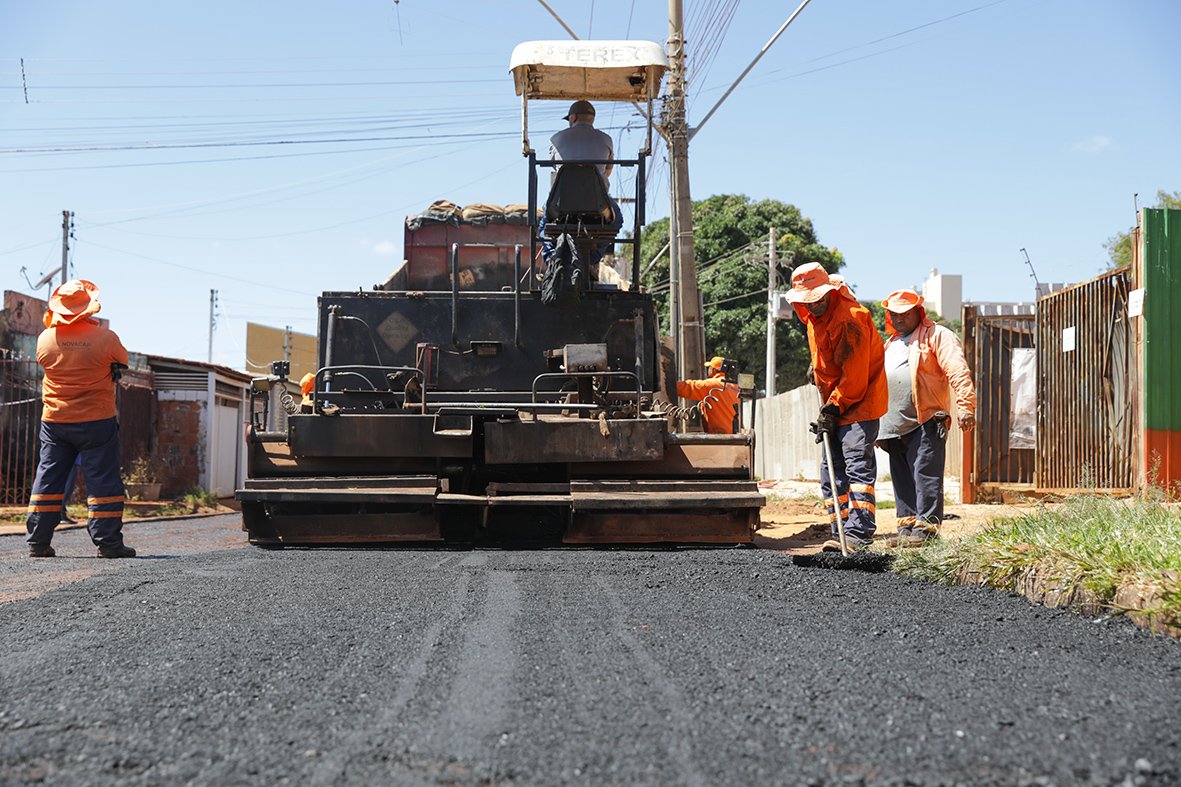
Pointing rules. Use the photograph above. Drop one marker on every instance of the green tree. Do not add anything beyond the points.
(731, 246)
(1119, 247)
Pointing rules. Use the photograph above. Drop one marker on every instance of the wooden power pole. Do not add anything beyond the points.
(772, 265)
(686, 317)
(67, 223)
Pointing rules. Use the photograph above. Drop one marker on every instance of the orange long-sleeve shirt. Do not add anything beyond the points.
(847, 359)
(937, 368)
(718, 416)
(77, 361)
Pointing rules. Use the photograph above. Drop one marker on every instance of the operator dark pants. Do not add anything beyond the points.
(916, 467)
(597, 253)
(97, 442)
(855, 468)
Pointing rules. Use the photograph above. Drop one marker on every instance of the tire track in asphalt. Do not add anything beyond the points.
(332, 767)
(676, 734)
(478, 705)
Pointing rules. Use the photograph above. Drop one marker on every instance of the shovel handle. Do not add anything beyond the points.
(832, 485)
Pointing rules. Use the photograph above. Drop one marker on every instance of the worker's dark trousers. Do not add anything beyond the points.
(916, 467)
(98, 444)
(547, 246)
(856, 468)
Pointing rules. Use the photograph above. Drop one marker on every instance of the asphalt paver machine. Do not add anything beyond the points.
(453, 402)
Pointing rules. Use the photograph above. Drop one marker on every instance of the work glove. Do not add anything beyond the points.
(942, 420)
(826, 422)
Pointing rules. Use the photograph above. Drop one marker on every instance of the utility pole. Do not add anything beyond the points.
(287, 344)
(772, 269)
(212, 322)
(687, 309)
(67, 225)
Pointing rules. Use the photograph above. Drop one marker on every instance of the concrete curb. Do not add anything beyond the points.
(19, 530)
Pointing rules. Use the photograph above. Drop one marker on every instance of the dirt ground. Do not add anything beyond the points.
(12, 518)
(800, 525)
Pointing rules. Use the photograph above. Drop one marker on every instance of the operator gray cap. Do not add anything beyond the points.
(580, 108)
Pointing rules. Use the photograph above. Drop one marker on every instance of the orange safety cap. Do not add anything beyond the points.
(74, 300)
(715, 363)
(809, 283)
(902, 301)
(307, 383)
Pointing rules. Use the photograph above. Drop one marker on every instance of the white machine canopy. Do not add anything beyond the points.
(591, 70)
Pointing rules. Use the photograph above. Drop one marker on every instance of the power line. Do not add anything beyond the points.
(268, 285)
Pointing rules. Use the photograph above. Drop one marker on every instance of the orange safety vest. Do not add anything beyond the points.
(848, 361)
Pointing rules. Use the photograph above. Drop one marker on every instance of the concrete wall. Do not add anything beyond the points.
(786, 450)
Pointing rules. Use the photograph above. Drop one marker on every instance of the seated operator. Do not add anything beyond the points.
(581, 142)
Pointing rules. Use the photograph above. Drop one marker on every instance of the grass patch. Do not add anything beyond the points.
(1095, 544)
(190, 502)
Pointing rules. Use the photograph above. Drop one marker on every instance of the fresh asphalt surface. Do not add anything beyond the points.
(215, 663)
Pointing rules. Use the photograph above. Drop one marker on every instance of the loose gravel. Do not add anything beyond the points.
(218, 664)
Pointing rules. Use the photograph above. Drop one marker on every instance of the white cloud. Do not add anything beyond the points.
(1095, 144)
(385, 248)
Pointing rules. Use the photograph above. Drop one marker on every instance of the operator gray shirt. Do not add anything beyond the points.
(903, 417)
(582, 141)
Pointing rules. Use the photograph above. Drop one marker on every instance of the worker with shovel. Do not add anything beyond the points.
(924, 366)
(847, 368)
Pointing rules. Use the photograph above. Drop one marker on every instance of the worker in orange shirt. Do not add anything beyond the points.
(847, 369)
(78, 419)
(924, 366)
(719, 399)
(307, 387)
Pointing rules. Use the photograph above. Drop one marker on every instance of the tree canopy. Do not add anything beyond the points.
(731, 234)
(1119, 246)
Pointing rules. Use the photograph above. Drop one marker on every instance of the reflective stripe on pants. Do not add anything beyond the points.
(97, 442)
(855, 468)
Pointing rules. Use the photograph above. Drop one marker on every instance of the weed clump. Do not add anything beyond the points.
(1090, 543)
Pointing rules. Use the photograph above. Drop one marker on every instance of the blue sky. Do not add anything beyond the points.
(271, 150)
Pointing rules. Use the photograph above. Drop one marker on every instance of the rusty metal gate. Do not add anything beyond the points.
(20, 425)
(1088, 388)
(989, 344)
(20, 422)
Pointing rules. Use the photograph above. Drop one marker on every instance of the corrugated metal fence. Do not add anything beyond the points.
(786, 450)
(20, 422)
(997, 458)
(1088, 388)
(1160, 276)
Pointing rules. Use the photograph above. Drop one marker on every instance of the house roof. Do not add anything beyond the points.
(181, 364)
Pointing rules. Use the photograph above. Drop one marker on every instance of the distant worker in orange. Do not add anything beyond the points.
(78, 419)
(307, 387)
(719, 399)
(847, 369)
(924, 366)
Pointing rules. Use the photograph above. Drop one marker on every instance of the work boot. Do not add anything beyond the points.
(41, 550)
(917, 538)
(67, 521)
(854, 544)
(895, 541)
(116, 550)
